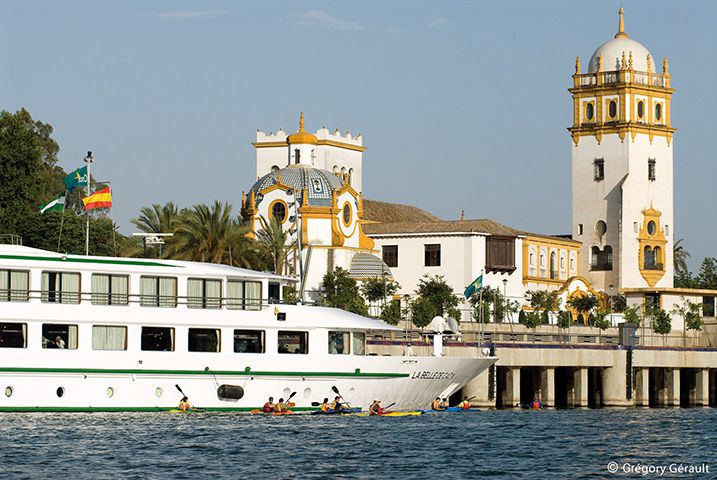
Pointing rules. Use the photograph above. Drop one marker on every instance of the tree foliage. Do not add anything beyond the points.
(375, 289)
(440, 295)
(422, 311)
(273, 237)
(584, 303)
(341, 291)
(661, 321)
(632, 314)
(391, 312)
(691, 313)
(565, 319)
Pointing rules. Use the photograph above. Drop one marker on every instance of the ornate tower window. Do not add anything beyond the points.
(651, 169)
(652, 242)
(612, 109)
(640, 110)
(589, 111)
(599, 169)
(278, 211)
(658, 112)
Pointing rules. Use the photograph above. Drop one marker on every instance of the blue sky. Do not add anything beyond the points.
(463, 105)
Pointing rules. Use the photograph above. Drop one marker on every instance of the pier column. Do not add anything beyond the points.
(510, 395)
(642, 387)
(478, 388)
(547, 386)
(702, 388)
(672, 384)
(580, 386)
(614, 382)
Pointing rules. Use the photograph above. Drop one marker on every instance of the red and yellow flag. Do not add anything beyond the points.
(99, 199)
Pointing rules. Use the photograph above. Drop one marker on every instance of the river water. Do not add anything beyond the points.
(484, 444)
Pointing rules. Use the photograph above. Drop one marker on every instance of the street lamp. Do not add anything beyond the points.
(611, 287)
(505, 299)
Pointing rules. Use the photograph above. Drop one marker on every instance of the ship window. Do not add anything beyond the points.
(249, 341)
(339, 343)
(432, 255)
(359, 343)
(158, 291)
(62, 336)
(14, 286)
(204, 293)
(243, 295)
(158, 339)
(60, 287)
(204, 340)
(13, 335)
(293, 342)
(109, 337)
(110, 289)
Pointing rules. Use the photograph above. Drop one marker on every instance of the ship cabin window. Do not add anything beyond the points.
(13, 335)
(293, 342)
(109, 337)
(274, 292)
(359, 343)
(110, 289)
(243, 295)
(61, 336)
(204, 293)
(204, 340)
(14, 286)
(60, 287)
(339, 343)
(158, 291)
(249, 341)
(158, 339)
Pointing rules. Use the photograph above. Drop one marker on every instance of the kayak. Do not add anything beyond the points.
(193, 410)
(259, 411)
(393, 414)
(342, 411)
(447, 410)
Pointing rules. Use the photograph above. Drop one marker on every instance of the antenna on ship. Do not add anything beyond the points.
(88, 160)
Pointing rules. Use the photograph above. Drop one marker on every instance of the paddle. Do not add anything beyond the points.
(336, 391)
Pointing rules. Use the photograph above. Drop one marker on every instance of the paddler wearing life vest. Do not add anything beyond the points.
(268, 406)
(375, 408)
(279, 407)
(536, 404)
(437, 404)
(336, 405)
(184, 405)
(465, 404)
(325, 406)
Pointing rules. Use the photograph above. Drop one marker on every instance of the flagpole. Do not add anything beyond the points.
(62, 220)
(88, 160)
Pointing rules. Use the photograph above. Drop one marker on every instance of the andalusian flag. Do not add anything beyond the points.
(474, 287)
(78, 178)
(99, 199)
(55, 205)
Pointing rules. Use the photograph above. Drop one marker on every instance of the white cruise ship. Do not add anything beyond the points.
(119, 334)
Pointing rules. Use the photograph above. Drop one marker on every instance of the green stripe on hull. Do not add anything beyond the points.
(102, 261)
(140, 409)
(238, 373)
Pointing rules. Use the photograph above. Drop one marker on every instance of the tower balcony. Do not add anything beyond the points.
(648, 79)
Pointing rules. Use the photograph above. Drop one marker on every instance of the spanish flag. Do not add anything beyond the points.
(99, 199)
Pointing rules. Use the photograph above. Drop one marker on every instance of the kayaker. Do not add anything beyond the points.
(279, 407)
(437, 404)
(268, 406)
(536, 404)
(375, 408)
(184, 405)
(465, 404)
(325, 406)
(336, 405)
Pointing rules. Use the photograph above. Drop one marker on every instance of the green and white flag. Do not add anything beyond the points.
(55, 205)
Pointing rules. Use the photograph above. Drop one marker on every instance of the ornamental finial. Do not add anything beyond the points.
(665, 67)
(621, 25)
(649, 63)
(629, 61)
(301, 122)
(577, 65)
(623, 66)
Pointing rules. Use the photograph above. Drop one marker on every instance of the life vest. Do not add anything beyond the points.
(279, 407)
(325, 407)
(268, 407)
(535, 405)
(437, 405)
(184, 406)
(336, 406)
(465, 404)
(374, 409)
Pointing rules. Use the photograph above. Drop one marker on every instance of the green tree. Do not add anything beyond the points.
(584, 304)
(440, 295)
(158, 218)
(391, 312)
(565, 319)
(375, 289)
(341, 291)
(618, 303)
(632, 314)
(274, 238)
(680, 256)
(707, 278)
(422, 311)
(532, 319)
(601, 321)
(661, 322)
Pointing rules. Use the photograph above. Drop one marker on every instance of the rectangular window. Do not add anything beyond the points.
(390, 255)
(274, 292)
(243, 295)
(293, 342)
(106, 337)
(339, 343)
(652, 300)
(13, 335)
(57, 335)
(580, 228)
(599, 169)
(204, 293)
(14, 286)
(249, 341)
(359, 343)
(204, 340)
(708, 306)
(432, 256)
(60, 287)
(158, 339)
(500, 254)
(110, 289)
(158, 291)
(651, 169)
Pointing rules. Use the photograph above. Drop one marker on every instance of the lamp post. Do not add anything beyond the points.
(505, 298)
(611, 287)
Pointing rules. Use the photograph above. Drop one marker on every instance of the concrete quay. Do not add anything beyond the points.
(580, 368)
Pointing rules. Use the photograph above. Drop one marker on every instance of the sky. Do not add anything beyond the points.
(463, 105)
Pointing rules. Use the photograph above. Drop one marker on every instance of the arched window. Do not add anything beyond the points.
(601, 260)
(278, 211)
(351, 176)
(532, 258)
(649, 258)
(336, 170)
(343, 172)
(553, 270)
(542, 260)
(657, 253)
(274, 168)
(658, 112)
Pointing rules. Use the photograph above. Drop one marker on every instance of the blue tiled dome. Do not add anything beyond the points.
(319, 183)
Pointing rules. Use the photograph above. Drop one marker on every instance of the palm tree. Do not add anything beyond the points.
(158, 218)
(680, 257)
(273, 237)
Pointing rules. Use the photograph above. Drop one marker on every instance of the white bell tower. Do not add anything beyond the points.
(622, 167)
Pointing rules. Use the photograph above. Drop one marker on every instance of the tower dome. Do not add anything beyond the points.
(317, 184)
(612, 52)
(302, 136)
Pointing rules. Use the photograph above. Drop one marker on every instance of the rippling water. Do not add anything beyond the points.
(496, 443)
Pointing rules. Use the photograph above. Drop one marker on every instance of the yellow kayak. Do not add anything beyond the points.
(392, 414)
